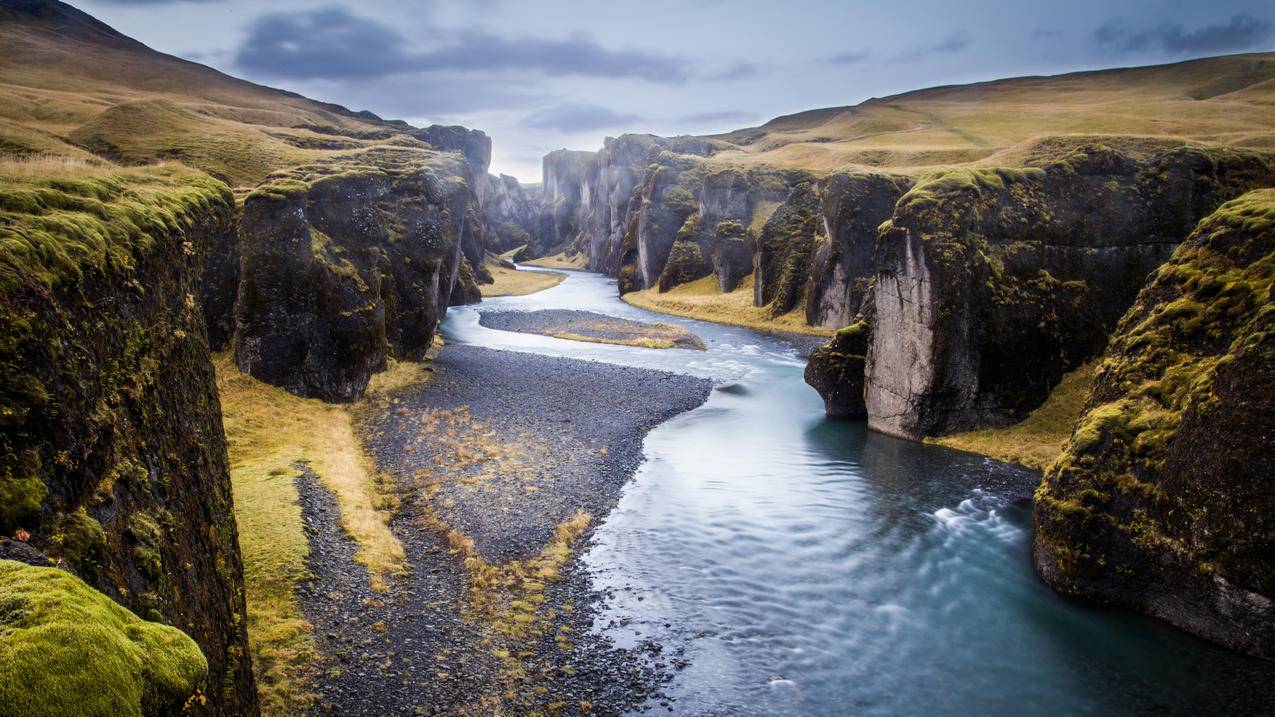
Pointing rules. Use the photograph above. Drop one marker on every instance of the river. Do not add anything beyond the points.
(811, 567)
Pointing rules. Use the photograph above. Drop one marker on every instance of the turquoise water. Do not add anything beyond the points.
(810, 567)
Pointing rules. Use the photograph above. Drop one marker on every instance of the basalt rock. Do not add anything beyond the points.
(112, 454)
(851, 208)
(559, 216)
(1162, 500)
(991, 284)
(733, 248)
(347, 262)
(835, 370)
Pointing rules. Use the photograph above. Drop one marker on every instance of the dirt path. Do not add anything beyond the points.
(503, 463)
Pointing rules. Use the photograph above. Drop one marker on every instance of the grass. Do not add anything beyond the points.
(66, 648)
(701, 299)
(560, 261)
(269, 432)
(512, 282)
(1036, 441)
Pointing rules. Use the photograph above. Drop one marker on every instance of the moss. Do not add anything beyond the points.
(56, 230)
(68, 649)
(80, 540)
(1210, 304)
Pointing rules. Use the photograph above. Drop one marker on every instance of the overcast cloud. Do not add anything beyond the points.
(538, 76)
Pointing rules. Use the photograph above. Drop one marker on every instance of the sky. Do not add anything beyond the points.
(539, 76)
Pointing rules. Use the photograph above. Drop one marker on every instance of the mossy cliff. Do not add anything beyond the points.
(992, 284)
(835, 370)
(1162, 500)
(347, 263)
(111, 447)
(66, 648)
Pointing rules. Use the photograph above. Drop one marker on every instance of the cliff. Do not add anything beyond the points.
(347, 262)
(113, 456)
(991, 284)
(1162, 500)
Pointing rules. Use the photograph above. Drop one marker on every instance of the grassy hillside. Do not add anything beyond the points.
(1015, 122)
(70, 85)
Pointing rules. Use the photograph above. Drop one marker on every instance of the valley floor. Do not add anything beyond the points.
(497, 469)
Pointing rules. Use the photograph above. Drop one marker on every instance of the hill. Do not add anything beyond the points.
(70, 85)
(1025, 121)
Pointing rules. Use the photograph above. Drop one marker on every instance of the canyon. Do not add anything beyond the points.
(951, 286)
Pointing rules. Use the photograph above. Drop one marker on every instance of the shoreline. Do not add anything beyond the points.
(493, 507)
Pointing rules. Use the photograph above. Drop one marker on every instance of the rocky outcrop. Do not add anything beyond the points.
(843, 262)
(558, 220)
(112, 454)
(473, 144)
(220, 285)
(991, 284)
(835, 370)
(1162, 499)
(508, 210)
(348, 262)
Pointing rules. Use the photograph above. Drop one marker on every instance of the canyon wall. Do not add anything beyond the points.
(348, 262)
(1162, 500)
(991, 284)
(113, 456)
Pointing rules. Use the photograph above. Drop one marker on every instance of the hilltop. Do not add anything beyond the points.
(70, 85)
(1025, 121)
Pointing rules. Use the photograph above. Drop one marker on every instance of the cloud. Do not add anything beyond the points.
(950, 44)
(738, 71)
(153, 2)
(1046, 33)
(577, 118)
(1241, 32)
(848, 58)
(719, 116)
(332, 43)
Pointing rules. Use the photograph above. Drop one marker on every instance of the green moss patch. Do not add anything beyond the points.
(67, 649)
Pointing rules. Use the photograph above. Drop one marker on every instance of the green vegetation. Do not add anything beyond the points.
(1036, 441)
(703, 300)
(58, 228)
(270, 433)
(67, 649)
(513, 282)
(1211, 304)
(562, 260)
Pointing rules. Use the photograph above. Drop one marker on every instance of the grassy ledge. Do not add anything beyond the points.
(560, 261)
(512, 282)
(701, 299)
(269, 431)
(1036, 441)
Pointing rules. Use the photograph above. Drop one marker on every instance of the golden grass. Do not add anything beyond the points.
(1214, 101)
(268, 432)
(560, 261)
(701, 299)
(52, 166)
(1037, 440)
(512, 282)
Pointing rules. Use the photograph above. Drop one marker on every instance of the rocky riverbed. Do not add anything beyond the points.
(590, 326)
(493, 505)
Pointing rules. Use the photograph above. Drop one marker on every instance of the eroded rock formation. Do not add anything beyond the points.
(991, 284)
(112, 454)
(1162, 500)
(347, 262)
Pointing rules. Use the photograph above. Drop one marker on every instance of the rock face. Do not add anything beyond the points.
(564, 181)
(507, 211)
(835, 370)
(221, 285)
(991, 284)
(474, 144)
(1162, 500)
(347, 262)
(843, 264)
(112, 454)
